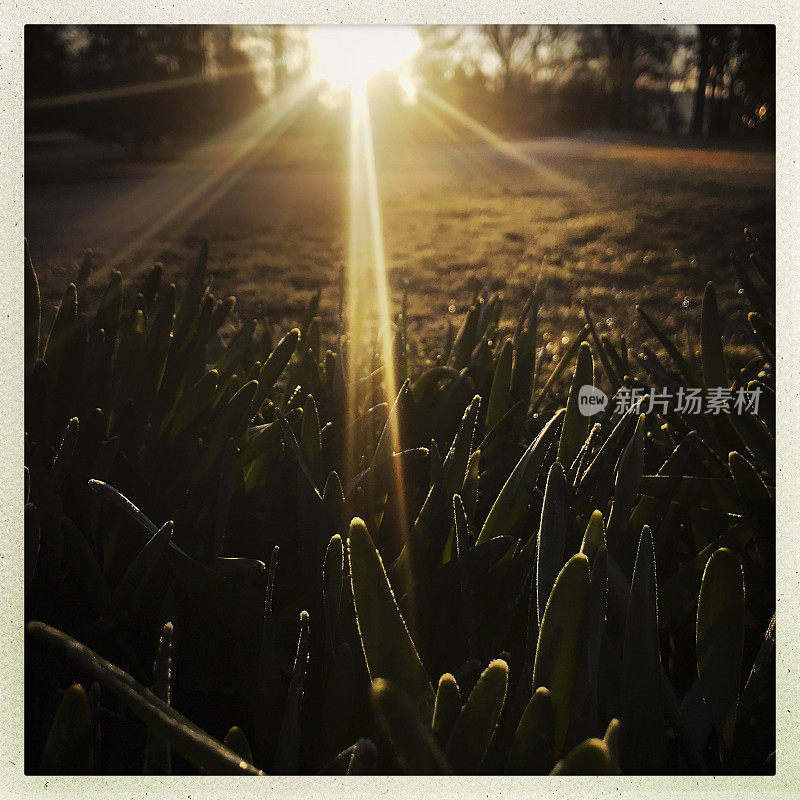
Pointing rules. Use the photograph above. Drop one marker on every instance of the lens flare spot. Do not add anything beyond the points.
(348, 55)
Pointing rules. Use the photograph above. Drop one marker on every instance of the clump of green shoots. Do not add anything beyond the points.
(541, 592)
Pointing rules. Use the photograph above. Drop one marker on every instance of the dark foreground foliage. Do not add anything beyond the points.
(227, 572)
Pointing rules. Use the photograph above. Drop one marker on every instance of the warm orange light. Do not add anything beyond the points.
(347, 55)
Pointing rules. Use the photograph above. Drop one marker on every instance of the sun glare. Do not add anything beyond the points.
(347, 55)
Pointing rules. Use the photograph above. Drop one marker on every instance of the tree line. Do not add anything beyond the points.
(141, 84)
(136, 84)
(707, 80)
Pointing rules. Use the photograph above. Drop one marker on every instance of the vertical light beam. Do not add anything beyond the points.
(369, 312)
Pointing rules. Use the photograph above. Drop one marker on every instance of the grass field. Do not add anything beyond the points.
(606, 220)
(569, 579)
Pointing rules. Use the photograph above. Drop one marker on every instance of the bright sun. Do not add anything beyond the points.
(347, 55)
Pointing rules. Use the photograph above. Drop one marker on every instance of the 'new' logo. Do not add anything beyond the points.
(591, 400)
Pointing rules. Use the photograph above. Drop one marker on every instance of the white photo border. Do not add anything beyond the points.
(785, 14)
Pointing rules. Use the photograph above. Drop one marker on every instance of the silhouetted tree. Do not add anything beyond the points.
(735, 79)
(632, 55)
(282, 52)
(48, 73)
(719, 83)
(195, 79)
(753, 80)
(704, 56)
(139, 84)
(550, 53)
(505, 41)
(559, 78)
(46, 60)
(277, 40)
